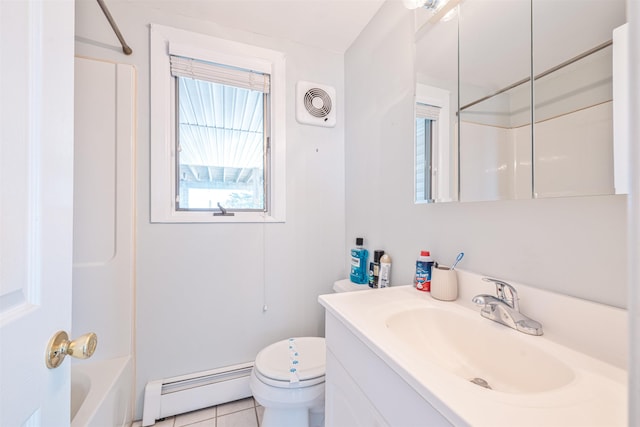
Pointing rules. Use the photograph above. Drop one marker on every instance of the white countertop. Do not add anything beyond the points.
(596, 395)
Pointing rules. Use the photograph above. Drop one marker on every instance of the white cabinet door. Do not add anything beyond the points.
(36, 206)
(346, 403)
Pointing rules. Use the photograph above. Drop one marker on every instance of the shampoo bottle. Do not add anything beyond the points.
(359, 257)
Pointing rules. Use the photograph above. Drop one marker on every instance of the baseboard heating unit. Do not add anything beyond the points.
(177, 395)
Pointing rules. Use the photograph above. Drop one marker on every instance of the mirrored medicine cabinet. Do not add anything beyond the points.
(486, 70)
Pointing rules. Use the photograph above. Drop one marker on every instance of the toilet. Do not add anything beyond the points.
(287, 378)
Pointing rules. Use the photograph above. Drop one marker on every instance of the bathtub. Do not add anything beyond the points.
(102, 393)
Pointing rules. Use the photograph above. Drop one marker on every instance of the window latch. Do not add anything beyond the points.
(223, 211)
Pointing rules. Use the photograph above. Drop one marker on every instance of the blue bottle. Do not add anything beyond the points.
(359, 257)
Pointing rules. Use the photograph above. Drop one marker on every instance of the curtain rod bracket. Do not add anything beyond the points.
(125, 47)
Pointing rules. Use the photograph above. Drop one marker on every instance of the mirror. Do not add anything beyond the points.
(573, 132)
(497, 46)
(436, 124)
(495, 100)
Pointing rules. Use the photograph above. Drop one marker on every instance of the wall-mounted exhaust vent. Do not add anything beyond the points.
(315, 104)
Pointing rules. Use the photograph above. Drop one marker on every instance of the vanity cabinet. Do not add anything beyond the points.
(363, 391)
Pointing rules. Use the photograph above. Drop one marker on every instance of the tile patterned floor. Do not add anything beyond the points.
(241, 413)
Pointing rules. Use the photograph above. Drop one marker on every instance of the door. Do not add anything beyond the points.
(36, 206)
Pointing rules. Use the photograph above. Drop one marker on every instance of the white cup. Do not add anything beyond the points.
(444, 283)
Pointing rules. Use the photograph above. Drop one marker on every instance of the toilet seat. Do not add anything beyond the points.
(306, 355)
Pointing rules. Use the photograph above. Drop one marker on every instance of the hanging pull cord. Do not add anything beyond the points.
(125, 47)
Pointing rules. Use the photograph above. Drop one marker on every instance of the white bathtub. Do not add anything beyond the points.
(101, 393)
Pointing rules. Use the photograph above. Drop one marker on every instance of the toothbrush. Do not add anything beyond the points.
(458, 258)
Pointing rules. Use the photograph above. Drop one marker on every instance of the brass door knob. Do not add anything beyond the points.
(60, 346)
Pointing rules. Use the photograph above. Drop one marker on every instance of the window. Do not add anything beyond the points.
(217, 130)
(222, 142)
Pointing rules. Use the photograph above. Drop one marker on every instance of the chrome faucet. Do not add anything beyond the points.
(505, 309)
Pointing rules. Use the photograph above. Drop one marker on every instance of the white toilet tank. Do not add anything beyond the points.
(346, 285)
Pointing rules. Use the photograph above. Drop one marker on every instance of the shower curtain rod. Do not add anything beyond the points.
(542, 74)
(125, 47)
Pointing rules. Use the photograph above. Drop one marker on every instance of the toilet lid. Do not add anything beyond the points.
(306, 356)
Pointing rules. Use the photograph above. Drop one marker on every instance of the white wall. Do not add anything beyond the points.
(201, 288)
(633, 105)
(574, 246)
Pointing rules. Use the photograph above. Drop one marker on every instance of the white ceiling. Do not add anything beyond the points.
(327, 24)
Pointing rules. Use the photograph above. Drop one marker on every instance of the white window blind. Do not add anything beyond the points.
(216, 73)
(426, 111)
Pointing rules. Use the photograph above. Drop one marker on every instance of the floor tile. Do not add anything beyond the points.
(195, 416)
(238, 405)
(211, 422)
(245, 418)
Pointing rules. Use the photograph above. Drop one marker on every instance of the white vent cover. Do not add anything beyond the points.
(315, 104)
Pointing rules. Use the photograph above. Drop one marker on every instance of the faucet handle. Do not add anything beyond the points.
(512, 300)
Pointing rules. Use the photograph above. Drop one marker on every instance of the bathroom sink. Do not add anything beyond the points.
(482, 352)
(444, 355)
